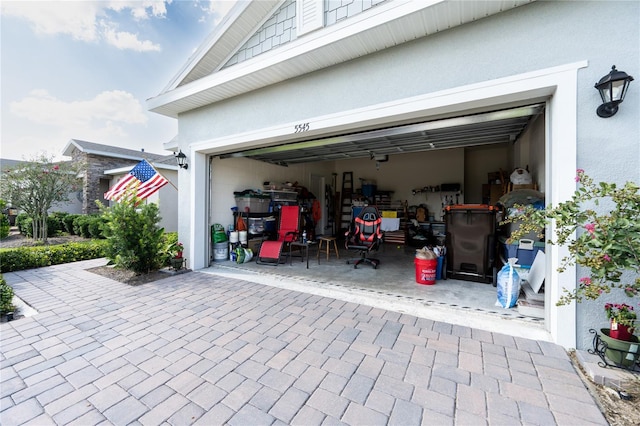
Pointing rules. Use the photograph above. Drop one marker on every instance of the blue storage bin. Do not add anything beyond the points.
(369, 190)
(524, 250)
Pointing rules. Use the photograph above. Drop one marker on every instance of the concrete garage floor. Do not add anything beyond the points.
(391, 286)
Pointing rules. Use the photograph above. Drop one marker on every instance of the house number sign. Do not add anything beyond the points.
(303, 127)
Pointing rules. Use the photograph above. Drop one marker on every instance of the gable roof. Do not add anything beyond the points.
(7, 164)
(392, 23)
(113, 151)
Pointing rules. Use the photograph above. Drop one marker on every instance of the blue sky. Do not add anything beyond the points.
(84, 70)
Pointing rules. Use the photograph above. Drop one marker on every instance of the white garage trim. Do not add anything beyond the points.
(557, 84)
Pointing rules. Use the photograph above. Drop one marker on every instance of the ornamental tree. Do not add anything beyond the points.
(36, 185)
(600, 225)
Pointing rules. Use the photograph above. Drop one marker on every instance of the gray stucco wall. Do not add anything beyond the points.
(531, 37)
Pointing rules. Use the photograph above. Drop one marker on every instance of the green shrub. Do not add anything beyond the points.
(55, 223)
(68, 223)
(17, 259)
(169, 241)
(6, 297)
(134, 239)
(5, 226)
(96, 227)
(25, 224)
(81, 225)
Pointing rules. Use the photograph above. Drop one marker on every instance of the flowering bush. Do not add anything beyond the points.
(600, 225)
(178, 248)
(621, 313)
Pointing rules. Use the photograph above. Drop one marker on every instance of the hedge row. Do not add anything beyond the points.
(87, 226)
(17, 259)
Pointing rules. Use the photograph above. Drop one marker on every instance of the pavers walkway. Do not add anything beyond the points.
(201, 349)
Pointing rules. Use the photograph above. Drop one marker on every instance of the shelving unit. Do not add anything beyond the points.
(383, 200)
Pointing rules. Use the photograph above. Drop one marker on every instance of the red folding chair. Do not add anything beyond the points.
(288, 231)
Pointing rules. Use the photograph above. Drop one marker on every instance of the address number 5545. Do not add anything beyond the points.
(304, 127)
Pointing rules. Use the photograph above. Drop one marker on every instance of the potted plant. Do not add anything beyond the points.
(600, 226)
(177, 261)
(622, 318)
(179, 248)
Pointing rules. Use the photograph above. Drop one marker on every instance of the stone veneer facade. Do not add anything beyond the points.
(95, 165)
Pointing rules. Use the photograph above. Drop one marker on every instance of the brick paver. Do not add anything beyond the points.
(201, 349)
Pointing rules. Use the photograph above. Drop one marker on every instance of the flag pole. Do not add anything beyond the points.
(156, 170)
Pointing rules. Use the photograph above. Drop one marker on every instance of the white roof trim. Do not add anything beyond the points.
(209, 43)
(386, 25)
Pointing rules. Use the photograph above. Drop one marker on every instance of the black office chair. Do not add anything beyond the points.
(365, 236)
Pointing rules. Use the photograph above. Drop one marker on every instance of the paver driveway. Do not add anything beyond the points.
(197, 348)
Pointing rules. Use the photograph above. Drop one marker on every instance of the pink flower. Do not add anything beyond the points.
(56, 167)
(607, 258)
(585, 281)
(590, 227)
(579, 175)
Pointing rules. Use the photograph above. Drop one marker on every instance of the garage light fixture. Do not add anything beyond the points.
(613, 88)
(182, 160)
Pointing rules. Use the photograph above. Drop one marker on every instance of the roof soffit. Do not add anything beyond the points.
(229, 35)
(384, 26)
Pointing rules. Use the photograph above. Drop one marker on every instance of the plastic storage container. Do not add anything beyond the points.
(470, 241)
(255, 203)
(524, 250)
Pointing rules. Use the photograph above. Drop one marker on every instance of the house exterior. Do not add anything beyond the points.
(106, 165)
(448, 90)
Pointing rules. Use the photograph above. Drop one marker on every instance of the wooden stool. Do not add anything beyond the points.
(327, 247)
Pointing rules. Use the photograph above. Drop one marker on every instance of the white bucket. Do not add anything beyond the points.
(220, 251)
(233, 236)
(243, 237)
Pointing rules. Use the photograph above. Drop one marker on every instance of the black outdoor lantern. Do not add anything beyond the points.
(182, 160)
(613, 88)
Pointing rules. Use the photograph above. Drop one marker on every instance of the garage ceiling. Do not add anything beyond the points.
(488, 128)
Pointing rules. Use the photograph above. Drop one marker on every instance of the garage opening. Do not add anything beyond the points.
(412, 172)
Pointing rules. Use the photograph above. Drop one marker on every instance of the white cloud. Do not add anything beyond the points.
(127, 41)
(76, 19)
(141, 9)
(87, 20)
(219, 9)
(107, 111)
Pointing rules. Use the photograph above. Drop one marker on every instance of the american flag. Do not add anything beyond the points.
(143, 177)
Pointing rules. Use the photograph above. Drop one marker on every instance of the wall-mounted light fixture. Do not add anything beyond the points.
(613, 88)
(182, 160)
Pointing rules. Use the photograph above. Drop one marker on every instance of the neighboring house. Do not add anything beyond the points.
(74, 206)
(106, 164)
(448, 90)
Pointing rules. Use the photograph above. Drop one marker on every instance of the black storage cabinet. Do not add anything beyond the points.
(470, 240)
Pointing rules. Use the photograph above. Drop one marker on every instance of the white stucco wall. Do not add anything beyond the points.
(528, 38)
(237, 174)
